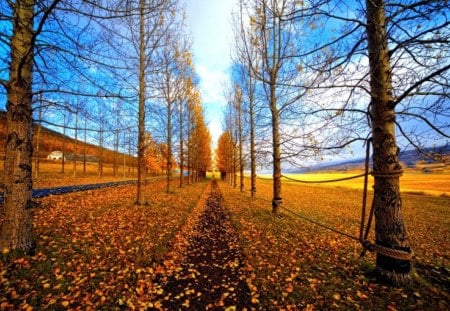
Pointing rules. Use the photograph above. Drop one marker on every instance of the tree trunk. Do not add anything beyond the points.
(84, 147)
(124, 158)
(63, 160)
(275, 65)
(116, 151)
(188, 158)
(100, 150)
(276, 153)
(169, 144)
(252, 142)
(390, 231)
(16, 229)
(235, 161)
(181, 144)
(38, 141)
(140, 200)
(75, 148)
(241, 159)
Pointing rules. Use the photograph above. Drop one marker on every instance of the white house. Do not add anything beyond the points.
(55, 155)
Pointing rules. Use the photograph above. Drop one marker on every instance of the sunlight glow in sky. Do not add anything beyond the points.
(209, 24)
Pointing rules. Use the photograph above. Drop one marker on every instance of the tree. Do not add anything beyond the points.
(153, 155)
(169, 89)
(246, 60)
(231, 126)
(238, 103)
(140, 200)
(192, 105)
(390, 230)
(187, 73)
(16, 231)
(141, 32)
(234, 125)
(75, 149)
(404, 83)
(224, 154)
(270, 45)
(200, 143)
(38, 139)
(38, 31)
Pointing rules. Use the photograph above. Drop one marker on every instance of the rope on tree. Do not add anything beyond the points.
(323, 181)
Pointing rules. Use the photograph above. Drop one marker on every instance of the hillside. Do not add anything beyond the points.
(409, 158)
(51, 140)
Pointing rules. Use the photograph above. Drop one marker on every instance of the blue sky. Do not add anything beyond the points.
(209, 24)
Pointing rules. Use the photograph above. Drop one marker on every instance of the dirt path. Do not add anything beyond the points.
(210, 276)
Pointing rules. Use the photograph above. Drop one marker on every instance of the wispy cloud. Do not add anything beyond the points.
(212, 84)
(209, 24)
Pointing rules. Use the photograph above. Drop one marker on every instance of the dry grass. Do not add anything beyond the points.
(50, 174)
(412, 181)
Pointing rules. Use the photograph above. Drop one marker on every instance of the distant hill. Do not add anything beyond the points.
(409, 158)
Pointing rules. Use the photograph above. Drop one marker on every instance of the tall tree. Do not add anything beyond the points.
(238, 103)
(139, 35)
(246, 60)
(224, 156)
(270, 44)
(390, 230)
(387, 63)
(187, 72)
(140, 199)
(16, 232)
(36, 30)
(200, 144)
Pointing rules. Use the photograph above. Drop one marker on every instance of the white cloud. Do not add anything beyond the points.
(215, 129)
(211, 88)
(209, 24)
(211, 85)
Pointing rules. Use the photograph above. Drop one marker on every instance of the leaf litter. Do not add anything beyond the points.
(188, 250)
(206, 272)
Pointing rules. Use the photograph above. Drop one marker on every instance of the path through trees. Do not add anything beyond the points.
(211, 274)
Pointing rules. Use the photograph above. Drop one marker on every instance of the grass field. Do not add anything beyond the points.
(50, 174)
(299, 265)
(412, 181)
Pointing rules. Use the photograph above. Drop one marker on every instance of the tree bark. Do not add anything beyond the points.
(169, 144)
(241, 159)
(100, 149)
(252, 139)
(277, 200)
(63, 160)
(189, 171)
(181, 144)
(85, 144)
(116, 152)
(140, 200)
(75, 147)
(38, 141)
(390, 230)
(16, 229)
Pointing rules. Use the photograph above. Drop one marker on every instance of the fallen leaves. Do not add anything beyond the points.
(96, 248)
(296, 265)
(204, 270)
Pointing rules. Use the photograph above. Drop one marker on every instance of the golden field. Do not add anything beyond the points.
(412, 181)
